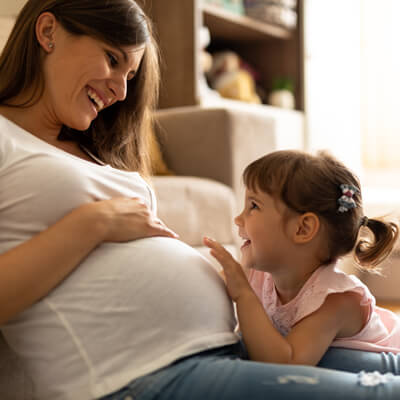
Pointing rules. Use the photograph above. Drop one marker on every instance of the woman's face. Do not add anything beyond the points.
(84, 75)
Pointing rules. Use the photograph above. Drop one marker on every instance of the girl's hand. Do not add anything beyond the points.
(124, 219)
(235, 278)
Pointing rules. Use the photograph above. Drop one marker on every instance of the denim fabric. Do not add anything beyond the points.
(223, 374)
(356, 361)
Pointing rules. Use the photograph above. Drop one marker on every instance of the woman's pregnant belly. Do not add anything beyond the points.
(146, 283)
(140, 304)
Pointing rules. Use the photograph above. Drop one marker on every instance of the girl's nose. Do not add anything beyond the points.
(238, 220)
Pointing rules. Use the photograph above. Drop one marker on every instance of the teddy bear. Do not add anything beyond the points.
(229, 76)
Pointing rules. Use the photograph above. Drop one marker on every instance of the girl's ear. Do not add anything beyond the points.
(307, 227)
(45, 29)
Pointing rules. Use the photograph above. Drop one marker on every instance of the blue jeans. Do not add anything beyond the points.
(223, 374)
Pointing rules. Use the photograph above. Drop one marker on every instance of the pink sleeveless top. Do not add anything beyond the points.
(380, 333)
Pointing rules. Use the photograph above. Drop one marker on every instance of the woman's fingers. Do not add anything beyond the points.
(157, 227)
(160, 229)
(129, 219)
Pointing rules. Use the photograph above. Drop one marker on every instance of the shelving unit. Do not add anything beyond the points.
(272, 50)
(225, 24)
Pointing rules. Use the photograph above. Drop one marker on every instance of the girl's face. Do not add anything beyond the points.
(264, 231)
(83, 76)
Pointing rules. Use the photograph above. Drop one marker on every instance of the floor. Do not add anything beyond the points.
(394, 306)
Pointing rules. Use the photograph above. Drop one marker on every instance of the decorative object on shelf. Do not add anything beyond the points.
(269, 48)
(279, 12)
(230, 77)
(236, 6)
(206, 62)
(281, 94)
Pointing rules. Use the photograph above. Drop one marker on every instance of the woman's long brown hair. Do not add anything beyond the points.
(120, 133)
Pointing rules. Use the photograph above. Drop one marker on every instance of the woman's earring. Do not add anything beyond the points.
(51, 45)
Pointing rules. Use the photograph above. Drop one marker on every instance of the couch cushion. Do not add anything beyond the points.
(194, 207)
(219, 142)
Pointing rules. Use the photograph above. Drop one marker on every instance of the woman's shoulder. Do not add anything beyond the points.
(9, 131)
(6, 136)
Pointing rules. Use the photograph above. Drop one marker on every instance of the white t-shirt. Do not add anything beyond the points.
(129, 308)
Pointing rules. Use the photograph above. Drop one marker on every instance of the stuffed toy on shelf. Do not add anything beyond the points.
(231, 79)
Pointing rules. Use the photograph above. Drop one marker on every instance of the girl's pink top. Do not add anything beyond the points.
(380, 333)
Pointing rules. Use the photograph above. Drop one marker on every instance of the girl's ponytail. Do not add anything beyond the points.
(370, 252)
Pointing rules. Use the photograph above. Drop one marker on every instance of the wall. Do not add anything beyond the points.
(332, 39)
(8, 8)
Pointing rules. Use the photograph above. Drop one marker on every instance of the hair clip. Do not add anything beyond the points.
(346, 201)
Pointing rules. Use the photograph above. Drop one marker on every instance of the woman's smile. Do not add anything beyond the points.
(95, 98)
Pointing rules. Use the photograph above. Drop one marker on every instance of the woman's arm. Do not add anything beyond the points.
(29, 271)
(340, 316)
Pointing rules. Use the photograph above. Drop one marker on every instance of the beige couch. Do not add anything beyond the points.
(207, 149)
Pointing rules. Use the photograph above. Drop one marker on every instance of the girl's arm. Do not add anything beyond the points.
(29, 271)
(340, 316)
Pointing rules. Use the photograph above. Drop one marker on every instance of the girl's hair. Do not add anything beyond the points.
(120, 133)
(308, 183)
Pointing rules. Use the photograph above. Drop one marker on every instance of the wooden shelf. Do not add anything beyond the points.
(239, 28)
(270, 49)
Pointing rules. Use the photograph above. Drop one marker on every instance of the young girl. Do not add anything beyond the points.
(301, 214)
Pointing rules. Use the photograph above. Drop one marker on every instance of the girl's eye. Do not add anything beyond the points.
(113, 60)
(253, 206)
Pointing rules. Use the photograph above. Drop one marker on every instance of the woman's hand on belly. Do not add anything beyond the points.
(123, 219)
(31, 269)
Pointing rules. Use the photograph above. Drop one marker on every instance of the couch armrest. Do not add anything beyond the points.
(218, 143)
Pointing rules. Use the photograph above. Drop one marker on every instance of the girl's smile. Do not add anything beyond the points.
(262, 229)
